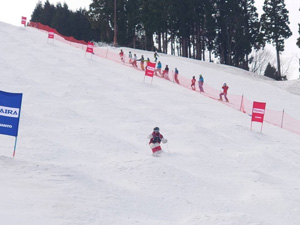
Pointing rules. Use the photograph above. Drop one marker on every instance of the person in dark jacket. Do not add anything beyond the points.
(176, 76)
(155, 139)
(166, 72)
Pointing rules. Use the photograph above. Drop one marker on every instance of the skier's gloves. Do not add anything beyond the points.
(164, 141)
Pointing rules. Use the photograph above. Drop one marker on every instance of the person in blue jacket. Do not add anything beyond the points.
(201, 82)
(176, 76)
(158, 68)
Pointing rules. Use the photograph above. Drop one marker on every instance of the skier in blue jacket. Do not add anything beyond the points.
(201, 82)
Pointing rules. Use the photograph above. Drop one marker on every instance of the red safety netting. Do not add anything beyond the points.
(47, 28)
(238, 102)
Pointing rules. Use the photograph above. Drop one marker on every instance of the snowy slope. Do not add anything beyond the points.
(83, 157)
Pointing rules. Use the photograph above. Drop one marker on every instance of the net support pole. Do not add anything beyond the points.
(242, 102)
(282, 118)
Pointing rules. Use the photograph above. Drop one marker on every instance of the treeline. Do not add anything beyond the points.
(224, 29)
(190, 28)
(65, 21)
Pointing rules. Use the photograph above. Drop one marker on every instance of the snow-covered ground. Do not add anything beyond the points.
(83, 158)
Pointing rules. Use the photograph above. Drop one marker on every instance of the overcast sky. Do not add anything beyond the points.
(12, 11)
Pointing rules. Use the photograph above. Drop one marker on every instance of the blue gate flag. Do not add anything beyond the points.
(10, 109)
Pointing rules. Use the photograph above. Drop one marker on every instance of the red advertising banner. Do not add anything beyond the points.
(90, 47)
(23, 21)
(51, 34)
(258, 112)
(150, 69)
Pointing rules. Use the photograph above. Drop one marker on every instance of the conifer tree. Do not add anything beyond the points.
(37, 12)
(274, 26)
(101, 17)
(47, 14)
(271, 72)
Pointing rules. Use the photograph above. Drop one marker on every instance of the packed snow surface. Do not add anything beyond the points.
(83, 158)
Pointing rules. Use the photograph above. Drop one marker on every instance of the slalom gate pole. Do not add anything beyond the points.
(15, 146)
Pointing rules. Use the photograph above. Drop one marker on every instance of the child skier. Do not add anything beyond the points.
(166, 72)
(130, 57)
(201, 81)
(158, 68)
(176, 76)
(134, 61)
(155, 139)
(225, 89)
(193, 83)
(142, 62)
(121, 54)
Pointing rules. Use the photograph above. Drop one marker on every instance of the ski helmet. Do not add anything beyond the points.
(156, 129)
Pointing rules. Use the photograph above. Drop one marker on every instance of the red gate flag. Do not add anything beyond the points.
(51, 34)
(258, 112)
(90, 47)
(23, 21)
(150, 69)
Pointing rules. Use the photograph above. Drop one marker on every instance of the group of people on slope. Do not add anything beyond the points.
(200, 83)
(165, 73)
(133, 59)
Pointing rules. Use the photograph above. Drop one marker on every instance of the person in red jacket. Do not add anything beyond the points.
(225, 89)
(193, 83)
(121, 54)
(155, 139)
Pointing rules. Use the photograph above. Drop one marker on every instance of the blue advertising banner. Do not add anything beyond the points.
(10, 109)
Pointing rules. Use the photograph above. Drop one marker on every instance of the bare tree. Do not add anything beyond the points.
(288, 64)
(259, 61)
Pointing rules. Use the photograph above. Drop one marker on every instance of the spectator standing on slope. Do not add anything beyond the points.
(166, 72)
(193, 83)
(134, 60)
(225, 89)
(176, 76)
(142, 62)
(201, 82)
(158, 68)
(130, 57)
(121, 54)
